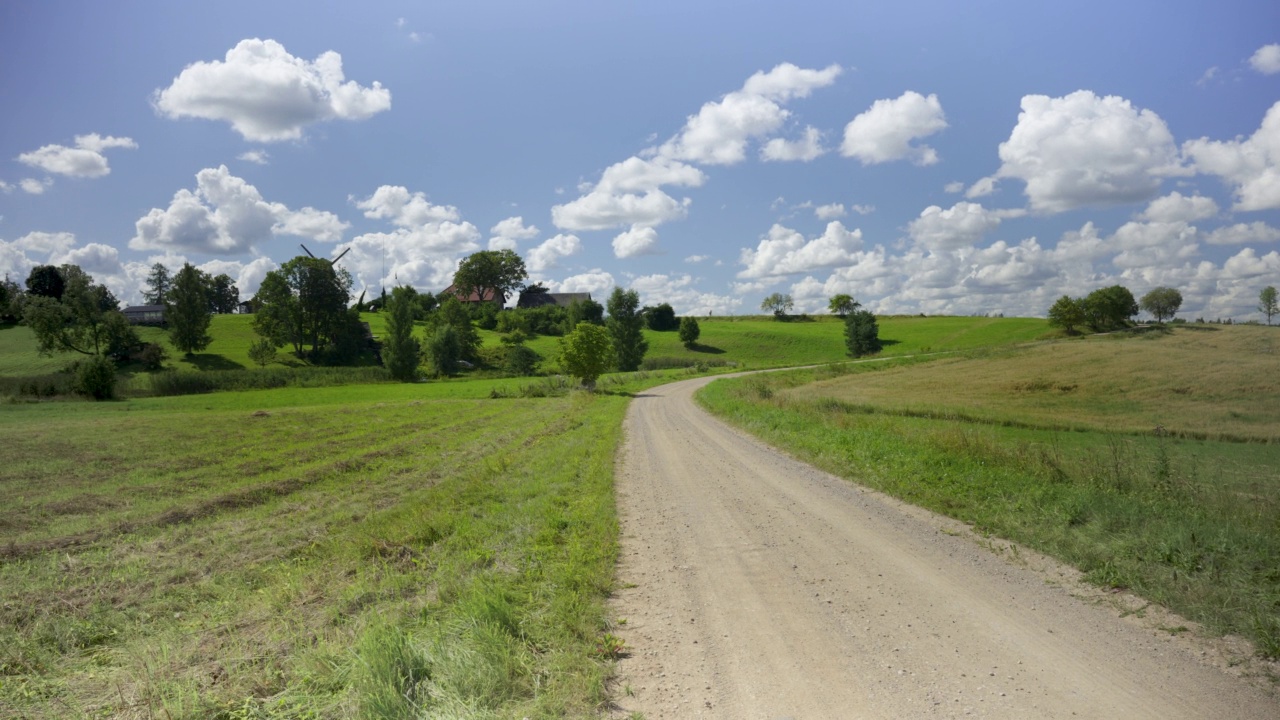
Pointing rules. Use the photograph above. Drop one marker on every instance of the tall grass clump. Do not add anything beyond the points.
(182, 382)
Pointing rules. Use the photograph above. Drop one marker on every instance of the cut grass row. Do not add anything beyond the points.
(372, 551)
(1190, 523)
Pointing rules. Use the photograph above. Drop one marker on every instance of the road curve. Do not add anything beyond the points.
(755, 586)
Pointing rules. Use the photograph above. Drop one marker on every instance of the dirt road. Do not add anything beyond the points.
(758, 587)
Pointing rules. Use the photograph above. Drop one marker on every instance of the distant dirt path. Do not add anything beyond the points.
(763, 588)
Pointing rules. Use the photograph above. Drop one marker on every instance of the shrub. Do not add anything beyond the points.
(521, 361)
(862, 333)
(151, 356)
(444, 351)
(689, 331)
(96, 377)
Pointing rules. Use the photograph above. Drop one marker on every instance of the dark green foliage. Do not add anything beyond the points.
(46, 281)
(400, 350)
(689, 331)
(348, 344)
(841, 305)
(262, 352)
(1067, 313)
(10, 301)
(661, 318)
(485, 315)
(490, 274)
(584, 311)
(85, 320)
(195, 382)
(521, 360)
(96, 377)
(159, 282)
(187, 310)
(304, 304)
(454, 314)
(626, 329)
(224, 296)
(151, 356)
(444, 350)
(778, 304)
(1162, 303)
(1110, 308)
(862, 333)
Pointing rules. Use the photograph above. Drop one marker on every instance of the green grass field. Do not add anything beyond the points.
(1056, 447)
(363, 551)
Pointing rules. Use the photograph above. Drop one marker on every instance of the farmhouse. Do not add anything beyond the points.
(476, 298)
(144, 314)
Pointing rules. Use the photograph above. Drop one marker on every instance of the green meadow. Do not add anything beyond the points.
(444, 549)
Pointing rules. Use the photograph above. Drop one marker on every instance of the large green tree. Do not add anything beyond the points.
(1110, 308)
(1162, 303)
(1267, 304)
(187, 310)
(159, 283)
(587, 353)
(86, 319)
(626, 327)
(400, 350)
(46, 281)
(304, 304)
(490, 274)
(1067, 313)
(224, 296)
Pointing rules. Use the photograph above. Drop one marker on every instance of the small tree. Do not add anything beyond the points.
(10, 301)
(187, 310)
(444, 351)
(586, 353)
(862, 333)
(587, 310)
(1162, 303)
(842, 304)
(689, 332)
(626, 328)
(159, 282)
(262, 352)
(490, 274)
(1067, 313)
(1267, 304)
(96, 377)
(778, 304)
(400, 350)
(224, 296)
(454, 314)
(1110, 307)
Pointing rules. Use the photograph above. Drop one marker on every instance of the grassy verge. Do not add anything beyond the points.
(361, 551)
(1193, 524)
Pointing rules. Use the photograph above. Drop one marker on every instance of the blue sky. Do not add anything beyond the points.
(944, 158)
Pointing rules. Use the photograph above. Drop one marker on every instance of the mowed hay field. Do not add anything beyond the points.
(1151, 461)
(362, 551)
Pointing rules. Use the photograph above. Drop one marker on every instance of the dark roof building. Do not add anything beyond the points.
(144, 314)
(475, 298)
(543, 299)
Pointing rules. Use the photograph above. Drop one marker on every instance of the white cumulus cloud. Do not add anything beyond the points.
(636, 241)
(547, 255)
(31, 186)
(225, 215)
(1241, 233)
(257, 157)
(1251, 165)
(267, 94)
(785, 251)
(1176, 207)
(508, 233)
(807, 148)
(965, 223)
(1267, 59)
(84, 160)
(601, 210)
(719, 133)
(885, 131)
(830, 211)
(1082, 149)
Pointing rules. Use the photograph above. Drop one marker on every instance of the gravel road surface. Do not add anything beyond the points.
(755, 586)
